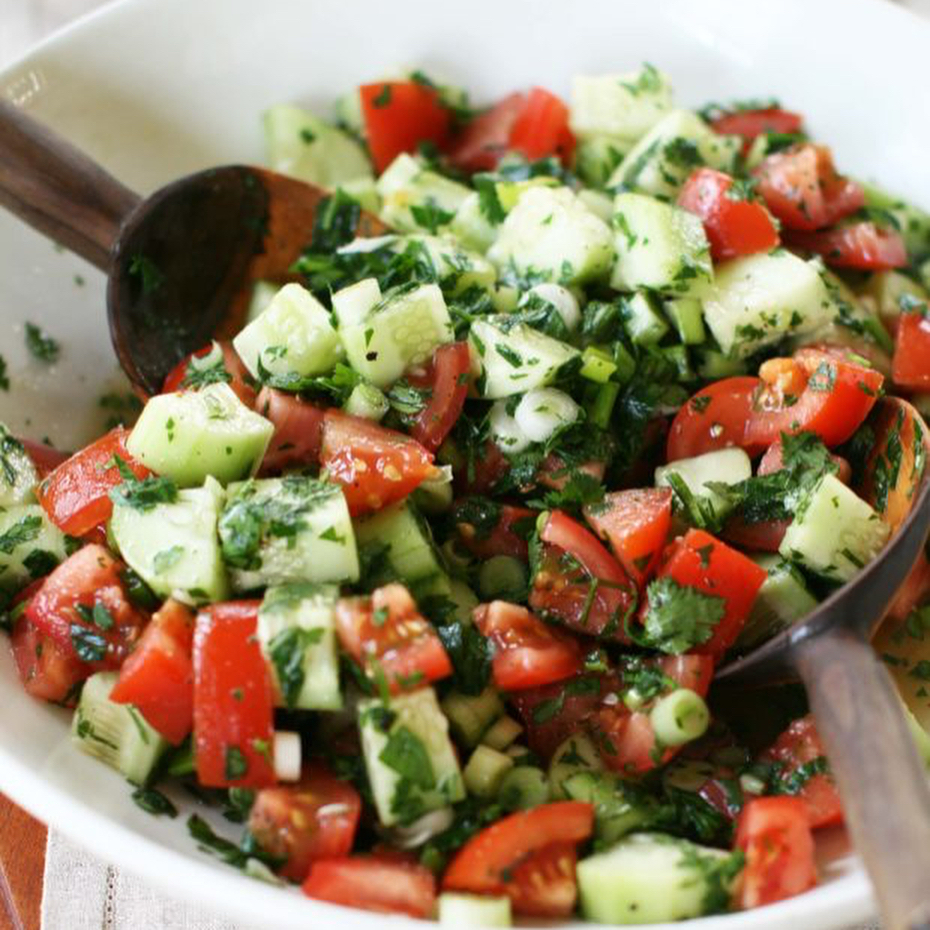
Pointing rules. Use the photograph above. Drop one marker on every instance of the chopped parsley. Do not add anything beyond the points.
(679, 617)
(141, 493)
(152, 801)
(406, 754)
(23, 531)
(41, 346)
(287, 650)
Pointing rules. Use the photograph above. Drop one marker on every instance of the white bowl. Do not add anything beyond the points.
(157, 88)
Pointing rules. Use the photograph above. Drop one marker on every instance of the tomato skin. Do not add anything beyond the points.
(158, 676)
(375, 466)
(47, 671)
(703, 425)
(483, 471)
(859, 245)
(508, 536)
(312, 820)
(76, 495)
(398, 116)
(373, 883)
(636, 524)
(403, 644)
(752, 123)
(734, 227)
(911, 364)
(232, 697)
(240, 380)
(484, 141)
(541, 128)
(528, 652)
(775, 836)
(450, 376)
(44, 457)
(489, 862)
(298, 430)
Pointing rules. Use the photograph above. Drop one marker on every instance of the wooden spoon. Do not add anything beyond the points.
(180, 263)
(883, 782)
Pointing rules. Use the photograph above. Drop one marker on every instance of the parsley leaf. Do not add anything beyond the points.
(141, 494)
(406, 755)
(679, 617)
(152, 801)
(24, 530)
(287, 650)
(430, 216)
(40, 345)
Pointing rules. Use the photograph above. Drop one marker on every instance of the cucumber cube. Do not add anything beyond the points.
(471, 227)
(415, 199)
(643, 322)
(456, 268)
(782, 600)
(687, 316)
(411, 762)
(30, 545)
(353, 303)
(297, 633)
(597, 158)
(472, 910)
(727, 466)
(364, 192)
(294, 335)
(398, 538)
(174, 547)
(834, 532)
(282, 530)
(550, 233)
(660, 247)
(18, 475)
(195, 434)
(263, 293)
(625, 106)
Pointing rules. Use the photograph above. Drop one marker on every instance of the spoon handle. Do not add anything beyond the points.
(883, 782)
(58, 190)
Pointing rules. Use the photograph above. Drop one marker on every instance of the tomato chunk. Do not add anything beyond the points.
(233, 711)
(385, 633)
(44, 457)
(752, 123)
(487, 528)
(775, 836)
(485, 139)
(184, 376)
(298, 430)
(158, 677)
(375, 466)
(911, 365)
(47, 670)
(76, 495)
(541, 128)
(859, 245)
(449, 378)
(303, 823)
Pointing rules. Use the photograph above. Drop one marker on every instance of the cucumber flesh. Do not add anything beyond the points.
(642, 320)
(471, 227)
(471, 716)
(31, 545)
(620, 806)
(782, 600)
(472, 910)
(577, 754)
(727, 466)
(457, 269)
(687, 316)
(18, 475)
(407, 188)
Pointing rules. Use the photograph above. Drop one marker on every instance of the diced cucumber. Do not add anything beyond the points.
(523, 787)
(297, 633)
(714, 364)
(363, 191)
(470, 716)
(367, 401)
(174, 547)
(348, 113)
(305, 147)
(263, 293)
(782, 600)
(294, 335)
(923, 273)
(834, 532)
(402, 329)
(457, 269)
(887, 288)
(116, 734)
(473, 910)
(659, 246)
(642, 320)
(485, 771)
(352, 304)
(18, 475)
(515, 358)
(502, 733)
(620, 806)
(471, 227)
(687, 316)
(550, 234)
(30, 545)
(661, 160)
(577, 754)
(434, 496)
(597, 158)
(282, 530)
(652, 878)
(678, 356)
(626, 106)
(510, 192)
(913, 222)
(727, 466)
(599, 203)
(411, 762)
(415, 199)
(191, 435)
(758, 299)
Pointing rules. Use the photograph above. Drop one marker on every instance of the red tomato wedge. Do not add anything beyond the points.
(519, 857)
(399, 115)
(636, 524)
(911, 365)
(752, 123)
(233, 712)
(76, 495)
(485, 139)
(804, 190)
(375, 466)
(481, 470)
(303, 823)
(373, 883)
(386, 633)
(734, 226)
(859, 245)
(528, 652)
(183, 376)
(158, 677)
(715, 418)
(44, 457)
(775, 836)
(449, 378)
(541, 128)
(47, 671)
(837, 394)
(298, 430)
(795, 751)
(487, 528)
(83, 606)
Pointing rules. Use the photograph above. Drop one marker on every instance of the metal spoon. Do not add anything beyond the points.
(180, 263)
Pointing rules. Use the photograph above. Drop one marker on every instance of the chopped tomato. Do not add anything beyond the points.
(233, 709)
(541, 128)
(836, 395)
(76, 495)
(527, 652)
(375, 466)
(554, 473)
(385, 633)
(912, 593)
(83, 606)
(803, 189)
(734, 225)
(298, 430)
(799, 754)
(859, 245)
(775, 836)
(158, 677)
(303, 823)
(373, 883)
(47, 670)
(774, 460)
(486, 138)
(399, 115)
(528, 856)
(715, 418)
(636, 524)
(483, 468)
(44, 457)
(487, 528)
(239, 379)
(752, 123)
(450, 375)
(911, 365)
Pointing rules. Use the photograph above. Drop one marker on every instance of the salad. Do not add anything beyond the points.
(425, 575)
